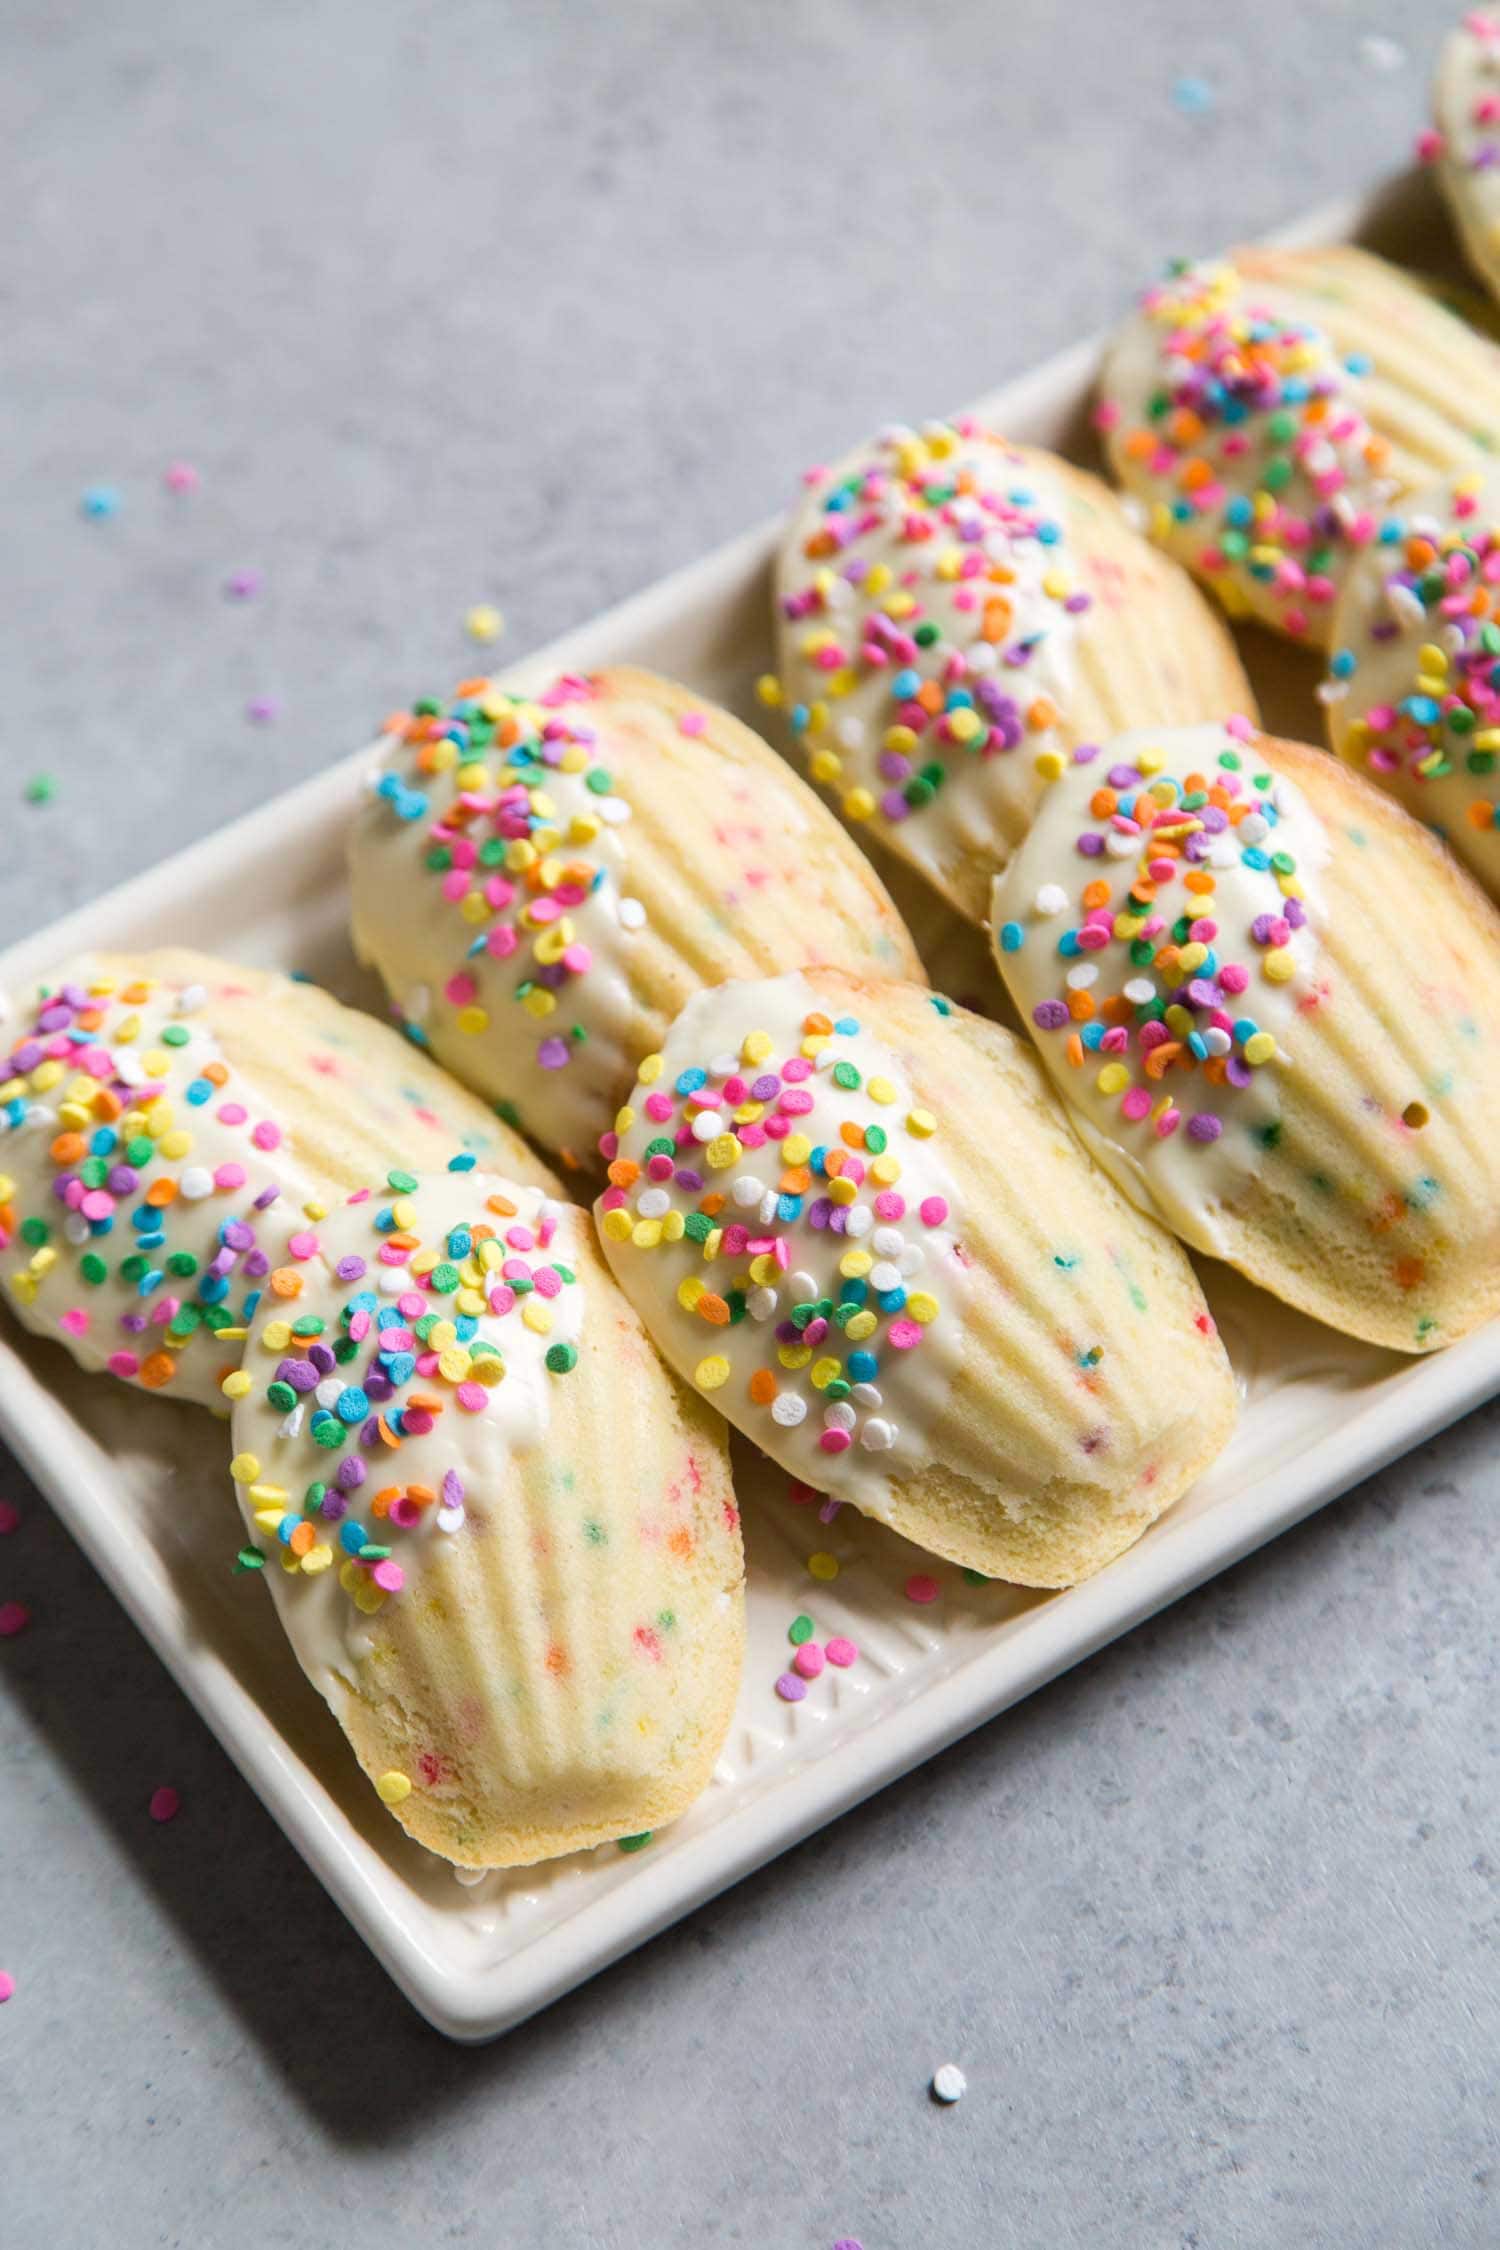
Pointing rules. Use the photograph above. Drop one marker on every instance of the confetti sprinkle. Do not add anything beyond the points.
(14, 1619)
(7, 1986)
(261, 710)
(949, 2083)
(40, 789)
(484, 623)
(242, 585)
(1194, 97)
(165, 1803)
(180, 476)
(100, 501)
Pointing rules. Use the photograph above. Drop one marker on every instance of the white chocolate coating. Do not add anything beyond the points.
(1411, 696)
(1168, 1055)
(821, 1309)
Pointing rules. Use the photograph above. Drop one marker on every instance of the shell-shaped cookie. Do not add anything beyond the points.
(171, 1126)
(1466, 142)
(853, 1216)
(1265, 409)
(1272, 1004)
(542, 883)
(956, 615)
(501, 1537)
(1413, 691)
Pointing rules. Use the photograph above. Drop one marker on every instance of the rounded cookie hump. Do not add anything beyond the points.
(1411, 691)
(170, 1127)
(956, 615)
(501, 1537)
(1266, 408)
(541, 882)
(853, 1217)
(1272, 1004)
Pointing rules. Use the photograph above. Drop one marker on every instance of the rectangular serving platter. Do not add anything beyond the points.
(142, 1484)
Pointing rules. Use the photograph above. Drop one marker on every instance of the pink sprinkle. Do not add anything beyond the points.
(389, 1576)
(74, 1322)
(904, 1334)
(790, 1688)
(303, 1244)
(934, 1210)
(14, 1618)
(1136, 1103)
(835, 1441)
(124, 1364)
(181, 476)
(227, 1176)
(10, 1518)
(472, 1397)
(7, 1986)
(922, 1589)
(98, 1204)
(265, 1135)
(808, 1660)
(261, 710)
(553, 1054)
(841, 1652)
(461, 990)
(692, 722)
(165, 1803)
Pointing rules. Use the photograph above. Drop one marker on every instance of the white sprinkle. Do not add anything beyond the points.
(1118, 846)
(394, 1281)
(982, 657)
(887, 1241)
(877, 1436)
(744, 1191)
(803, 1286)
(1139, 990)
(1217, 1040)
(76, 1229)
(885, 1276)
(707, 1125)
(1086, 973)
(330, 1390)
(195, 1182)
(839, 1416)
(912, 1259)
(632, 914)
(653, 1203)
(859, 1221)
(788, 1409)
(1254, 828)
(1331, 691)
(190, 999)
(613, 810)
(360, 1646)
(761, 1303)
(767, 1212)
(1051, 899)
(867, 1394)
(851, 733)
(949, 2083)
(130, 1070)
(723, 1066)
(291, 1424)
(449, 1519)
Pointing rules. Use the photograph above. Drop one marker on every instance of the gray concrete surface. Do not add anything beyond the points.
(450, 303)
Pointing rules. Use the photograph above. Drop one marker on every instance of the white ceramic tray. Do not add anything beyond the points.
(142, 1484)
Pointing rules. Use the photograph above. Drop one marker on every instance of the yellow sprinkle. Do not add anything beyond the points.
(245, 1468)
(316, 1559)
(484, 622)
(646, 1233)
(722, 1151)
(441, 1334)
(176, 1144)
(880, 1090)
(650, 1070)
(843, 1191)
(795, 1355)
(886, 1170)
(712, 1373)
(755, 1046)
(367, 1595)
(1259, 1047)
(236, 1385)
(673, 1227)
(823, 1565)
(1113, 1078)
(859, 804)
(855, 1264)
(268, 1495)
(539, 1001)
(922, 1307)
(624, 1119)
(393, 1788)
(826, 767)
(536, 1314)
(768, 688)
(471, 1021)
(796, 1148)
(921, 1123)
(453, 1364)
(1279, 965)
(617, 1224)
(689, 1291)
(824, 1372)
(862, 1325)
(1049, 765)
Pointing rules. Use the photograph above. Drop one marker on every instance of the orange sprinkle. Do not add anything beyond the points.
(712, 1205)
(1095, 894)
(135, 993)
(1074, 1050)
(381, 1504)
(157, 1370)
(623, 1172)
(286, 1282)
(1080, 1007)
(796, 1179)
(1040, 715)
(302, 1538)
(680, 1543)
(68, 1148)
(712, 1308)
(556, 1661)
(762, 1386)
(1101, 805)
(160, 1193)
(1409, 1272)
(387, 1434)
(502, 1207)
(216, 1073)
(817, 1025)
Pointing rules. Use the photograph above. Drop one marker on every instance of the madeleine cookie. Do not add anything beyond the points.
(501, 1537)
(171, 1129)
(852, 1216)
(1465, 144)
(955, 616)
(1266, 409)
(1413, 690)
(1272, 1005)
(541, 883)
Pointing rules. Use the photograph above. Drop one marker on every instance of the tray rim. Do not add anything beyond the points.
(471, 2007)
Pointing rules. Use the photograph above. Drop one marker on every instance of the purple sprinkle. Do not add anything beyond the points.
(790, 1688)
(333, 1504)
(222, 1261)
(1237, 1072)
(894, 805)
(1123, 777)
(237, 1236)
(242, 585)
(257, 1265)
(265, 1199)
(261, 710)
(1204, 1127)
(350, 1269)
(1261, 927)
(553, 1054)
(299, 1373)
(1295, 913)
(123, 1179)
(134, 1321)
(1091, 845)
(1050, 1015)
(453, 1489)
(765, 1089)
(1086, 753)
(687, 1177)
(378, 1388)
(350, 1474)
(322, 1358)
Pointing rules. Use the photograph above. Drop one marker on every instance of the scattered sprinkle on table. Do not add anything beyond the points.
(261, 709)
(484, 622)
(1194, 97)
(242, 585)
(7, 1986)
(180, 476)
(949, 2083)
(14, 1618)
(40, 789)
(99, 501)
(165, 1803)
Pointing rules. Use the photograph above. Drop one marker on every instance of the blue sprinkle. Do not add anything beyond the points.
(1012, 937)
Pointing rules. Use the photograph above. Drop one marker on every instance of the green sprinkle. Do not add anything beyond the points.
(175, 1035)
(404, 1183)
(40, 789)
(800, 1630)
(633, 1843)
(282, 1397)
(562, 1358)
(249, 1558)
(93, 1268)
